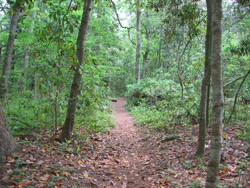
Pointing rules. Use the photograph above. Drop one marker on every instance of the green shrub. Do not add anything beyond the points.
(158, 103)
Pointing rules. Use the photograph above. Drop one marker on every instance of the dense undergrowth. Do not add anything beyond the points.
(25, 115)
(158, 104)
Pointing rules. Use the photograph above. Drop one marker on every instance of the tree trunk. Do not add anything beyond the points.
(7, 142)
(35, 86)
(69, 121)
(9, 51)
(204, 103)
(24, 65)
(145, 57)
(26, 55)
(0, 55)
(217, 97)
(138, 48)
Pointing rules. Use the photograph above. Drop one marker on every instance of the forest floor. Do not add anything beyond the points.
(124, 157)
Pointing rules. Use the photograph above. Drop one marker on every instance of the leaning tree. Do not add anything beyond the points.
(69, 121)
(7, 142)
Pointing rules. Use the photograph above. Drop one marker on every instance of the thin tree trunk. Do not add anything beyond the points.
(26, 55)
(217, 97)
(179, 65)
(35, 86)
(138, 48)
(0, 55)
(7, 142)
(24, 64)
(236, 96)
(145, 57)
(69, 121)
(9, 51)
(204, 103)
(159, 54)
(208, 99)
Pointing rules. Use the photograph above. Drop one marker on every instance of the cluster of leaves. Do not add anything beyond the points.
(44, 61)
(244, 133)
(243, 48)
(157, 103)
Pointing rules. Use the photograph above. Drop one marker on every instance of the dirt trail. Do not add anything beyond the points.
(123, 158)
(127, 160)
(132, 152)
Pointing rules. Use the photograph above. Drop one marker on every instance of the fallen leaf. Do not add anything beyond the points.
(226, 170)
(150, 178)
(40, 162)
(23, 169)
(24, 183)
(59, 183)
(44, 177)
(80, 162)
(29, 162)
(4, 178)
(67, 174)
(85, 175)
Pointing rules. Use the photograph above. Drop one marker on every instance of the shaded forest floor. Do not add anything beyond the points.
(125, 157)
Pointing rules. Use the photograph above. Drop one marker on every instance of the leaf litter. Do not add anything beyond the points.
(124, 157)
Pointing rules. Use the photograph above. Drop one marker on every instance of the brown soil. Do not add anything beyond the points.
(131, 164)
(125, 157)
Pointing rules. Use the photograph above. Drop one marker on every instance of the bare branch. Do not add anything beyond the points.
(229, 83)
(236, 96)
(124, 27)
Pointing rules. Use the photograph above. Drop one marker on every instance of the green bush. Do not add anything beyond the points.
(158, 103)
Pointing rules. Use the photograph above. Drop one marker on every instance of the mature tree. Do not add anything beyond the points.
(145, 55)
(205, 87)
(217, 96)
(138, 47)
(7, 142)
(9, 51)
(69, 122)
(26, 55)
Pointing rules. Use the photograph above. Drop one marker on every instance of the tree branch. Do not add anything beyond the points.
(124, 27)
(236, 96)
(229, 83)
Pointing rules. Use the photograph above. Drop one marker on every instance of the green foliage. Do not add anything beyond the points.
(173, 31)
(243, 48)
(151, 90)
(38, 93)
(26, 114)
(245, 132)
(95, 117)
(157, 103)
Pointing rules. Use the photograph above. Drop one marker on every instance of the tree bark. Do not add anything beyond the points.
(24, 65)
(217, 96)
(9, 51)
(0, 55)
(138, 48)
(204, 103)
(69, 121)
(7, 142)
(26, 55)
(145, 55)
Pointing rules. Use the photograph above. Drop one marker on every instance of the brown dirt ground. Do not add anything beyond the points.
(131, 163)
(125, 157)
